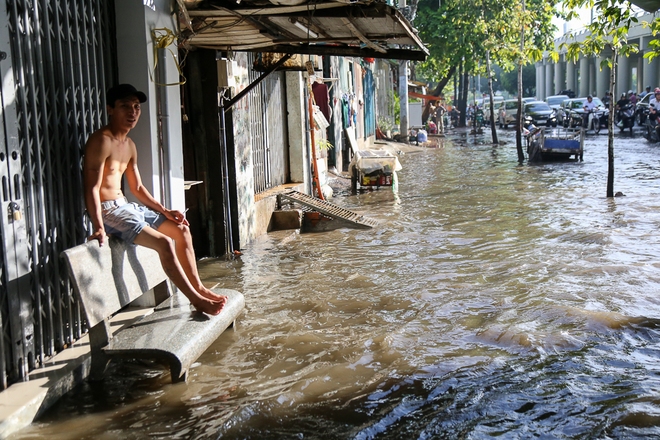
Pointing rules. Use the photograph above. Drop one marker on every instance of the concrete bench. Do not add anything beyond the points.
(108, 278)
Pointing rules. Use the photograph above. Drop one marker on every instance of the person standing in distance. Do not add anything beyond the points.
(109, 155)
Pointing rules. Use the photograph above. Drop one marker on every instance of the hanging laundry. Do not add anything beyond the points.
(322, 98)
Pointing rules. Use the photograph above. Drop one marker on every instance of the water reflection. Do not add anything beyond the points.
(495, 300)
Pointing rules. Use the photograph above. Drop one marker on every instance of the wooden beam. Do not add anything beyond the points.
(266, 11)
(355, 31)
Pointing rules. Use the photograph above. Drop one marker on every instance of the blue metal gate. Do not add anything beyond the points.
(369, 91)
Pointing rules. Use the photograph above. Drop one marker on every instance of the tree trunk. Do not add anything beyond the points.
(443, 82)
(519, 147)
(459, 96)
(610, 126)
(493, 130)
(464, 95)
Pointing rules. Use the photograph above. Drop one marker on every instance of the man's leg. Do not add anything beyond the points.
(162, 244)
(186, 256)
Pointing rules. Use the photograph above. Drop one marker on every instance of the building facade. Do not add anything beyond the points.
(222, 163)
(589, 75)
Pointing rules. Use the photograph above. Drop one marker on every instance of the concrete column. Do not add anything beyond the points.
(540, 79)
(640, 73)
(602, 77)
(649, 70)
(549, 79)
(652, 77)
(622, 76)
(571, 76)
(135, 60)
(403, 98)
(560, 77)
(299, 162)
(592, 77)
(584, 76)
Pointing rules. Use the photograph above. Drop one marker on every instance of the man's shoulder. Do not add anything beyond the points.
(100, 135)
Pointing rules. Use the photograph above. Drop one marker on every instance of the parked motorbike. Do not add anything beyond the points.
(479, 117)
(575, 119)
(532, 134)
(652, 126)
(454, 114)
(626, 117)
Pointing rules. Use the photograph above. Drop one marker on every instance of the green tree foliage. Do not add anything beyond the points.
(654, 45)
(462, 30)
(608, 38)
(509, 81)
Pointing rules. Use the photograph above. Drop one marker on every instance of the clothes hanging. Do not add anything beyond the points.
(322, 98)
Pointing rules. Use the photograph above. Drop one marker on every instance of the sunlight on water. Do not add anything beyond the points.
(493, 300)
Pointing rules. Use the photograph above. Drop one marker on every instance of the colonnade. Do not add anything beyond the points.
(589, 75)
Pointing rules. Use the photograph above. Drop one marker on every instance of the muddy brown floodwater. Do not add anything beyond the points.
(493, 301)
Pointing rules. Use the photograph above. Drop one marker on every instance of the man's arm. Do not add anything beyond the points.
(138, 189)
(97, 151)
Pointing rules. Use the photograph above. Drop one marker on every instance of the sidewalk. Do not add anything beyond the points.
(23, 402)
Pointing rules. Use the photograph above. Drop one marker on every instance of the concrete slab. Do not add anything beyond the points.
(22, 403)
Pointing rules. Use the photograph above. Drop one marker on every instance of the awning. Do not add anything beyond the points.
(361, 28)
(647, 5)
(426, 97)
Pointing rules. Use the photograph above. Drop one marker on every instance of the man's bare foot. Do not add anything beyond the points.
(209, 294)
(210, 307)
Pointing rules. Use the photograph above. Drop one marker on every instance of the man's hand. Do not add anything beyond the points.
(99, 235)
(176, 216)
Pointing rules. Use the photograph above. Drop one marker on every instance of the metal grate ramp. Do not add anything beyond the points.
(329, 209)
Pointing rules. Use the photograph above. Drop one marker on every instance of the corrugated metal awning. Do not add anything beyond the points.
(647, 5)
(362, 28)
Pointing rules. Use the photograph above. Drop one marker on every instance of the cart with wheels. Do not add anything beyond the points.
(555, 143)
(373, 168)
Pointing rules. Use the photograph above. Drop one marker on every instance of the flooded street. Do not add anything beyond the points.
(494, 300)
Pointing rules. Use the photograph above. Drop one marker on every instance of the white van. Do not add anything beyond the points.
(507, 113)
(485, 102)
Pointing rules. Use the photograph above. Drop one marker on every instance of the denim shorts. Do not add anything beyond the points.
(127, 220)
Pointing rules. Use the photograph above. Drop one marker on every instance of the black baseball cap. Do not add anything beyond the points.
(122, 91)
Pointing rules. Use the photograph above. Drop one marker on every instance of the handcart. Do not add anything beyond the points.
(373, 168)
(555, 143)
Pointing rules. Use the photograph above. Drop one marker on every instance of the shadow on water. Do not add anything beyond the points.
(494, 300)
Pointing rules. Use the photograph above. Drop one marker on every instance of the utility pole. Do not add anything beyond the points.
(521, 155)
(403, 97)
(403, 90)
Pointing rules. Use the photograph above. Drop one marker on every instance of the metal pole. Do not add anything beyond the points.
(164, 131)
(229, 237)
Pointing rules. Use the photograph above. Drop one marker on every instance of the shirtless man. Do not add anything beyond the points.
(111, 154)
